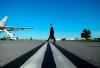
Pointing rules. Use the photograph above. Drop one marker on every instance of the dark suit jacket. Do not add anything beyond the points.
(51, 31)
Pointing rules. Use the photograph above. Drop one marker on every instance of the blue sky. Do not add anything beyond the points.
(69, 17)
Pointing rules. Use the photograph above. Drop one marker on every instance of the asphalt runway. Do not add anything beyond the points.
(89, 51)
(10, 50)
(41, 54)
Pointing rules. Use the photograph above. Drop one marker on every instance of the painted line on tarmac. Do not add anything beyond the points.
(18, 62)
(48, 61)
(77, 61)
(60, 59)
(36, 60)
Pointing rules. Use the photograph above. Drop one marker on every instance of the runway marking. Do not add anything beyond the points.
(49, 55)
(78, 62)
(36, 60)
(60, 59)
(18, 62)
(48, 61)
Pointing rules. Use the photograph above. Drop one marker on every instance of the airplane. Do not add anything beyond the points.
(7, 29)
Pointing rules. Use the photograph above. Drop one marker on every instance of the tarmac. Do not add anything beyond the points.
(12, 50)
(89, 51)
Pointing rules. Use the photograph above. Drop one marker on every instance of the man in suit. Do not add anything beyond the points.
(51, 34)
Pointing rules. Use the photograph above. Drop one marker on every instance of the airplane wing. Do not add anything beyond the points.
(14, 28)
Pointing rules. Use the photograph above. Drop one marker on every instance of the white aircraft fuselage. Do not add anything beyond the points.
(7, 29)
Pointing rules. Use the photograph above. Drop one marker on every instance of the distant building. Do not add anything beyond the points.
(58, 39)
(68, 39)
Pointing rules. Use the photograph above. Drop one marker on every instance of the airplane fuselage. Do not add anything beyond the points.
(6, 29)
